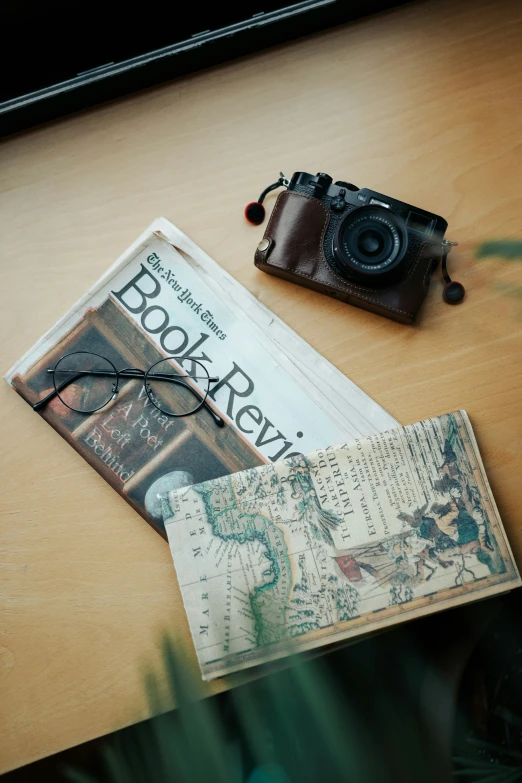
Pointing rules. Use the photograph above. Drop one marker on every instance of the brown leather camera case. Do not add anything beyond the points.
(292, 248)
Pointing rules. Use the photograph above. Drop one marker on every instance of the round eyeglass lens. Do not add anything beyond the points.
(173, 390)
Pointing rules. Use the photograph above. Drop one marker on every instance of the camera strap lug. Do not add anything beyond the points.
(453, 292)
(255, 211)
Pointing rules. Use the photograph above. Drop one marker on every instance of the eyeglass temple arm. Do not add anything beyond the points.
(219, 421)
(42, 403)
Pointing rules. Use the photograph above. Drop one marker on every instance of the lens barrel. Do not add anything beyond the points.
(370, 242)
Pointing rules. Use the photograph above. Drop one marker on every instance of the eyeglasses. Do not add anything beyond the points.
(86, 382)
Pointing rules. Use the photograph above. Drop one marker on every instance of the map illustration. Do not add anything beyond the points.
(293, 555)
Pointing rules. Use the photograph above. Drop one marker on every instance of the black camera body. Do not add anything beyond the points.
(353, 244)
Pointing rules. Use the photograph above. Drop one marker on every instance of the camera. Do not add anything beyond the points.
(353, 244)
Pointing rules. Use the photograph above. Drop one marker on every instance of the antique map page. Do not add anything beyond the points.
(290, 556)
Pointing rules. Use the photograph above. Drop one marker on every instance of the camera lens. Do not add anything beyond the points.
(370, 241)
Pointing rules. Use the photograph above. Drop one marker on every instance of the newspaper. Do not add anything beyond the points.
(315, 549)
(166, 297)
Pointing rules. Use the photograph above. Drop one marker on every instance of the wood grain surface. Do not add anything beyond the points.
(422, 103)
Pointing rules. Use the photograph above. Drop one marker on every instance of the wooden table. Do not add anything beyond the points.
(422, 103)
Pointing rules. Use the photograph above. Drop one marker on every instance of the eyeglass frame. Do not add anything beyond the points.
(129, 372)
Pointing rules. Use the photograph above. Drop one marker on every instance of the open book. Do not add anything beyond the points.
(165, 297)
(349, 539)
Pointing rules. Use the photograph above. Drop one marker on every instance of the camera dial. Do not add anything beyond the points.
(370, 241)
